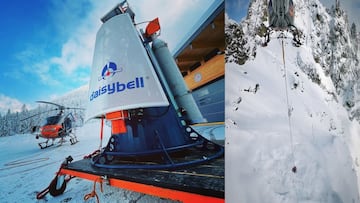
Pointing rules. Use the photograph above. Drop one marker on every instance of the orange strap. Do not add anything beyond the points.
(93, 192)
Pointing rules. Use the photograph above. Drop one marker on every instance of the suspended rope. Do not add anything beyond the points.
(289, 108)
(294, 169)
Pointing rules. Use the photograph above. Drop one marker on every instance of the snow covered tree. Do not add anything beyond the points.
(2, 125)
(342, 63)
(354, 38)
(337, 4)
(353, 32)
(242, 38)
(236, 51)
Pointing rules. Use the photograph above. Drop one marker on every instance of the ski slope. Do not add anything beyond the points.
(278, 118)
(25, 169)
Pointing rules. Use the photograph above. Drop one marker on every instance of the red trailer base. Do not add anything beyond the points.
(202, 183)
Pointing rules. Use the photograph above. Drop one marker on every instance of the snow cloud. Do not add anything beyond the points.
(7, 103)
(72, 36)
(77, 36)
(84, 21)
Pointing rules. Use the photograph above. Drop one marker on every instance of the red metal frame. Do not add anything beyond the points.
(186, 197)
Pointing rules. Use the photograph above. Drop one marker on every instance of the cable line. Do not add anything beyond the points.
(288, 107)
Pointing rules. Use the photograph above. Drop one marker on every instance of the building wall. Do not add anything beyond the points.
(210, 99)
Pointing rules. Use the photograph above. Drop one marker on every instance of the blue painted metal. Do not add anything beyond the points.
(218, 154)
(211, 100)
(141, 131)
(156, 133)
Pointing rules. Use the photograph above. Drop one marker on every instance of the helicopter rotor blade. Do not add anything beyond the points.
(39, 114)
(75, 108)
(46, 102)
(60, 106)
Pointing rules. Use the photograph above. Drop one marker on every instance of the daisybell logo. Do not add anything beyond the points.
(109, 70)
(115, 86)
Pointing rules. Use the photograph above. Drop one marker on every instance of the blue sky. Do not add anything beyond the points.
(236, 9)
(47, 45)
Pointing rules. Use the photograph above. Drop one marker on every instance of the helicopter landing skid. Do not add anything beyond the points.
(73, 140)
(291, 29)
(45, 144)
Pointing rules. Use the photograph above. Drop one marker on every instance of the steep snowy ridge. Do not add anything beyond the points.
(76, 98)
(295, 114)
(334, 44)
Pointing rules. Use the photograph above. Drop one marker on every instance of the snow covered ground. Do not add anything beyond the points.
(269, 131)
(25, 169)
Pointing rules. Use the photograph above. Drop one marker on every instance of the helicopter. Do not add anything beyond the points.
(55, 127)
(281, 18)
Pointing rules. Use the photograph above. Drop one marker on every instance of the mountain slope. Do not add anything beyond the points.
(259, 150)
(327, 32)
(295, 115)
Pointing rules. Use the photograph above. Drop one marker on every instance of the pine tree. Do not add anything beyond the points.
(353, 31)
(337, 5)
(2, 124)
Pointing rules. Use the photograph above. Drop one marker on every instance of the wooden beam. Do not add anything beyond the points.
(207, 44)
(189, 58)
(210, 70)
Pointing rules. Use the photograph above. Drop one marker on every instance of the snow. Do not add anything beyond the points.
(25, 169)
(262, 146)
(303, 114)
